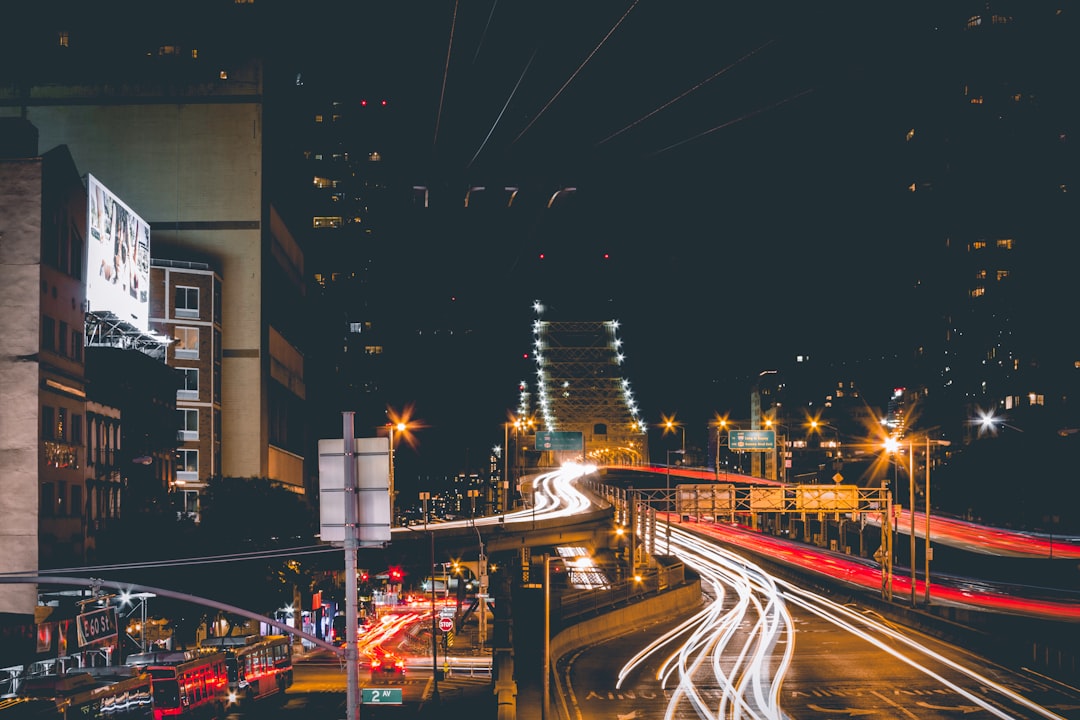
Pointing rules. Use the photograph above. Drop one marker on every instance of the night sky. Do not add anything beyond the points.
(736, 164)
(736, 161)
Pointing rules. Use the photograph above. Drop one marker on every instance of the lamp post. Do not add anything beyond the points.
(781, 452)
(400, 427)
(667, 495)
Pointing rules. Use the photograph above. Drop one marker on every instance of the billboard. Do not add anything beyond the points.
(117, 257)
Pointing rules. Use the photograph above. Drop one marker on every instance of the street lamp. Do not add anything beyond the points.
(671, 426)
(781, 451)
(400, 427)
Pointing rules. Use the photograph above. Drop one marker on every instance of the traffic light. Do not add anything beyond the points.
(395, 574)
(364, 577)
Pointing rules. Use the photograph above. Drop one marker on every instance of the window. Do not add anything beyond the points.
(61, 425)
(48, 422)
(48, 499)
(187, 465)
(321, 182)
(77, 345)
(48, 333)
(62, 345)
(187, 301)
(326, 221)
(1002, 274)
(76, 500)
(189, 388)
(189, 424)
(76, 429)
(187, 343)
(65, 38)
(1004, 243)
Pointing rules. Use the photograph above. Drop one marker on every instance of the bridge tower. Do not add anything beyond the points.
(581, 389)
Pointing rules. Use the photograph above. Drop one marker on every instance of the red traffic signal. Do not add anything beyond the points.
(395, 574)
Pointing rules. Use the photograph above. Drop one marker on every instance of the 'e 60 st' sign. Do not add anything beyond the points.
(96, 626)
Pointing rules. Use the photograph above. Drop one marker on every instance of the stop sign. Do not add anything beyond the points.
(446, 624)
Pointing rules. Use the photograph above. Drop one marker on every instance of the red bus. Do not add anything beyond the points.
(185, 684)
(259, 666)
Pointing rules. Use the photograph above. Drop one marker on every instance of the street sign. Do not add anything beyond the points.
(559, 441)
(752, 440)
(96, 625)
(380, 696)
(446, 624)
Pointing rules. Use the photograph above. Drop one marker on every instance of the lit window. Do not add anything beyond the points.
(910, 134)
(64, 38)
(977, 100)
(187, 343)
(325, 221)
(318, 118)
(1002, 274)
(373, 350)
(374, 157)
(974, 21)
(187, 465)
(1035, 399)
(224, 75)
(978, 245)
(978, 292)
(195, 53)
(980, 275)
(321, 182)
(1004, 243)
(168, 50)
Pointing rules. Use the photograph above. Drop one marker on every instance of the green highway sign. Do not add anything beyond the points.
(380, 696)
(752, 440)
(559, 441)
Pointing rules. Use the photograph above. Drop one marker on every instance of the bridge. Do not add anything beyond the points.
(580, 388)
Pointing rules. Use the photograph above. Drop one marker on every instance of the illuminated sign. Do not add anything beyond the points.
(117, 257)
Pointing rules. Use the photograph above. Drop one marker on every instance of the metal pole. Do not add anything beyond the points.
(506, 469)
(926, 548)
(352, 704)
(434, 628)
(667, 495)
(545, 706)
(911, 510)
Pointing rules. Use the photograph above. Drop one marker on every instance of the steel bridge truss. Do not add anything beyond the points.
(581, 389)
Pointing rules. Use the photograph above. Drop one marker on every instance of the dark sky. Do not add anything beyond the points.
(736, 160)
(736, 163)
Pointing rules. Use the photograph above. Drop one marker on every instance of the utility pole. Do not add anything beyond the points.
(352, 670)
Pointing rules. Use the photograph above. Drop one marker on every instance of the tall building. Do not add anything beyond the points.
(42, 375)
(174, 126)
(185, 304)
(991, 163)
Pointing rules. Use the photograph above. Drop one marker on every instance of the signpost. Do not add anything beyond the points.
(380, 696)
(752, 440)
